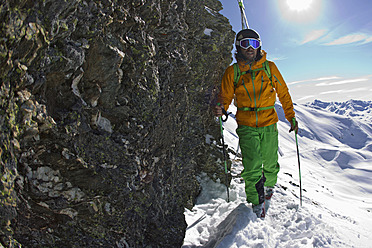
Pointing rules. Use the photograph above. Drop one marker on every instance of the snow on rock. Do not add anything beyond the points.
(208, 31)
(335, 143)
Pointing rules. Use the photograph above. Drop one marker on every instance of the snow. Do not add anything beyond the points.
(336, 170)
(208, 31)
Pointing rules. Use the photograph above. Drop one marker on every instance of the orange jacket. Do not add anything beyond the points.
(256, 94)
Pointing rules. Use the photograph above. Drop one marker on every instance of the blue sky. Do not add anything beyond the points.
(324, 52)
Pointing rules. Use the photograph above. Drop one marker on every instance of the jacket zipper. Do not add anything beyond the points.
(254, 96)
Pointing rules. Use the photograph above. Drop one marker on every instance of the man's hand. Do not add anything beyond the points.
(294, 126)
(218, 111)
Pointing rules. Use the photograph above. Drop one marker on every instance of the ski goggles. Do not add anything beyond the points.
(249, 42)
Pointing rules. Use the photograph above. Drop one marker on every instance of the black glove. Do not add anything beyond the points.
(294, 125)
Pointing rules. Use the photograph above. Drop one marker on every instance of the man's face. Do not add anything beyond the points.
(249, 54)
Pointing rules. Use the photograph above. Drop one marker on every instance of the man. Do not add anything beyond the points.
(255, 94)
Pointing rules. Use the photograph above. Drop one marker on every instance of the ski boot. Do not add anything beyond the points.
(259, 210)
(269, 191)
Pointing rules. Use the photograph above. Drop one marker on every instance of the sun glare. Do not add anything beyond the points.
(299, 5)
(300, 11)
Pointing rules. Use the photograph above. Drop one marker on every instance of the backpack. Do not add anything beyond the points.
(238, 74)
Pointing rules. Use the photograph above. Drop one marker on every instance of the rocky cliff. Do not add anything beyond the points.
(105, 117)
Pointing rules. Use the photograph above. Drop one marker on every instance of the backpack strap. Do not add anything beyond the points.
(256, 109)
(238, 73)
(268, 72)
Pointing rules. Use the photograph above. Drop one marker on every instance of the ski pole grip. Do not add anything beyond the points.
(224, 112)
(294, 124)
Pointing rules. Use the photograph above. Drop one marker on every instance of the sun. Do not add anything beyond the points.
(300, 11)
(299, 5)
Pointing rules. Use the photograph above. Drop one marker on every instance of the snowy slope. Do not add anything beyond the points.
(335, 142)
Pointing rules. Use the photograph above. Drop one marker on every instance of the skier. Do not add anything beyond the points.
(253, 83)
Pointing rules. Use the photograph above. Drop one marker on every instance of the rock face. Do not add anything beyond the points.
(105, 118)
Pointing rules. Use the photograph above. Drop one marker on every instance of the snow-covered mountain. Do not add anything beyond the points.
(352, 108)
(335, 143)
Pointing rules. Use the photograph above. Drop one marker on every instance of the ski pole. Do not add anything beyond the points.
(236, 151)
(298, 158)
(224, 156)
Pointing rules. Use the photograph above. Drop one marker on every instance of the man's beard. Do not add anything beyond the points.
(240, 56)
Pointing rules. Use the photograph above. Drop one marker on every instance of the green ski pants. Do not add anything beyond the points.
(259, 148)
